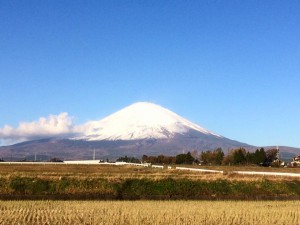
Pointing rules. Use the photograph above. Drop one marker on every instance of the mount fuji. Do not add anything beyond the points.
(141, 128)
(138, 121)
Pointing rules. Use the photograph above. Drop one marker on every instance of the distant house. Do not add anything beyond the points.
(296, 161)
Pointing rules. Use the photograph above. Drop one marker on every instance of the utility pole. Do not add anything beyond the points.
(94, 155)
(278, 155)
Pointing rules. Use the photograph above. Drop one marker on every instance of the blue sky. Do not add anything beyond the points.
(230, 66)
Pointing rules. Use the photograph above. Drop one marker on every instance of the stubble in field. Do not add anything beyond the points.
(150, 212)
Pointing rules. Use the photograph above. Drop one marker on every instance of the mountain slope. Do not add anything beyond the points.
(141, 128)
(68, 149)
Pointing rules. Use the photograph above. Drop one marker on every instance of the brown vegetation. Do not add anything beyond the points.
(150, 212)
(111, 171)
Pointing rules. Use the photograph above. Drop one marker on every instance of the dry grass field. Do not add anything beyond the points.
(150, 212)
(113, 172)
(110, 182)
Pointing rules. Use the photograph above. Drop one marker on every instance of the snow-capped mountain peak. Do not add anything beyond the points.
(140, 120)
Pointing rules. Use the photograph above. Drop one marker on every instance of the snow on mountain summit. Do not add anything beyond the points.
(140, 120)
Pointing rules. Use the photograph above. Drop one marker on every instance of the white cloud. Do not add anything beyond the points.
(53, 125)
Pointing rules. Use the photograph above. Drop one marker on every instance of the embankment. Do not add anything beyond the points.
(74, 188)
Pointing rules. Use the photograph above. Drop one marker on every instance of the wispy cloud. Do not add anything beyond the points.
(51, 126)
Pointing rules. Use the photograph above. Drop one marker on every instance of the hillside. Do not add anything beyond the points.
(141, 128)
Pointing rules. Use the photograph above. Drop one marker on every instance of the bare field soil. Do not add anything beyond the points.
(150, 212)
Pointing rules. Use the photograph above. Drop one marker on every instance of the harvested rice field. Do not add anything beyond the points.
(150, 212)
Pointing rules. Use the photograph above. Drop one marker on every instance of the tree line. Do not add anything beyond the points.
(161, 159)
(259, 157)
(237, 156)
(178, 159)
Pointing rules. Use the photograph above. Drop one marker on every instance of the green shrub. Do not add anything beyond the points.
(147, 188)
(18, 185)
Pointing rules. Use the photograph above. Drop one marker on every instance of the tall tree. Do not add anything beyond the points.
(271, 155)
(260, 156)
(239, 157)
(184, 158)
(219, 155)
(212, 157)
